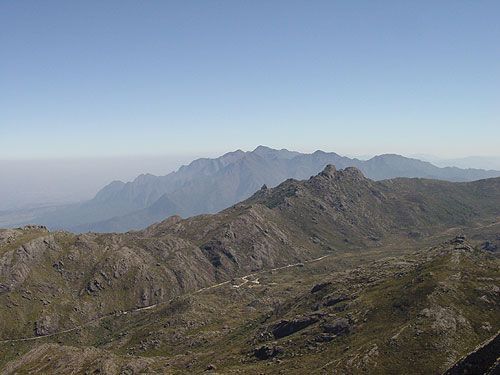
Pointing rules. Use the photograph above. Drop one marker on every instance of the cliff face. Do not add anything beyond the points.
(483, 360)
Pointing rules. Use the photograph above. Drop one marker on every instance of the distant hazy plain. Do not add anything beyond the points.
(35, 183)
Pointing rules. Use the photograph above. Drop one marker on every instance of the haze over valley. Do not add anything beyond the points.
(264, 187)
(209, 185)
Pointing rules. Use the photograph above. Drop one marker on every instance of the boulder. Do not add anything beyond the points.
(320, 286)
(415, 234)
(46, 325)
(339, 327)
(211, 367)
(324, 337)
(287, 327)
(458, 240)
(489, 246)
(267, 351)
(334, 299)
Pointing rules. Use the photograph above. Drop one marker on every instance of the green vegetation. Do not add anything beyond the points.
(141, 301)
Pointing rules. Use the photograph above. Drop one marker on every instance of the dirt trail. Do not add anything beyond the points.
(244, 278)
(150, 307)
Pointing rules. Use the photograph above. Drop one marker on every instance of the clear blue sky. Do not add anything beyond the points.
(104, 78)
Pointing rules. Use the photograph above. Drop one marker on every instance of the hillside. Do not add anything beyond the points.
(69, 293)
(209, 185)
(345, 313)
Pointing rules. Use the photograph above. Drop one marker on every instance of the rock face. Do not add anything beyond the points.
(329, 171)
(215, 251)
(288, 327)
(483, 360)
(16, 264)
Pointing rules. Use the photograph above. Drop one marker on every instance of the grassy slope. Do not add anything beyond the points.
(423, 309)
(294, 222)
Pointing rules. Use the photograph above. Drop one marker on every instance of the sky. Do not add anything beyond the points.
(49, 182)
(101, 79)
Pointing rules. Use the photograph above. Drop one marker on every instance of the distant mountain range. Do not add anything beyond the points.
(209, 185)
(490, 162)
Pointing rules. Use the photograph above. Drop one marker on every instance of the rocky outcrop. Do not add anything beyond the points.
(288, 327)
(334, 299)
(339, 327)
(46, 325)
(316, 288)
(489, 246)
(215, 251)
(329, 171)
(267, 351)
(16, 265)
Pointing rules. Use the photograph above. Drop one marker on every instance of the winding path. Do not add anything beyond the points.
(150, 307)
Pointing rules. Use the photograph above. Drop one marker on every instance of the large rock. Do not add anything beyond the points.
(460, 239)
(334, 299)
(267, 351)
(46, 325)
(489, 246)
(339, 327)
(287, 327)
(320, 286)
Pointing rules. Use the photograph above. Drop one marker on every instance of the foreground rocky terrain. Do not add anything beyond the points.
(336, 274)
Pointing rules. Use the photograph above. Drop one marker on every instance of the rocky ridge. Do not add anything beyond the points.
(53, 281)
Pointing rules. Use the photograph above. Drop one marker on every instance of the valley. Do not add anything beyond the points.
(249, 188)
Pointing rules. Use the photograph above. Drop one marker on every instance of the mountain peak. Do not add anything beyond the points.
(268, 152)
(353, 172)
(319, 152)
(262, 148)
(329, 171)
(144, 178)
(231, 153)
